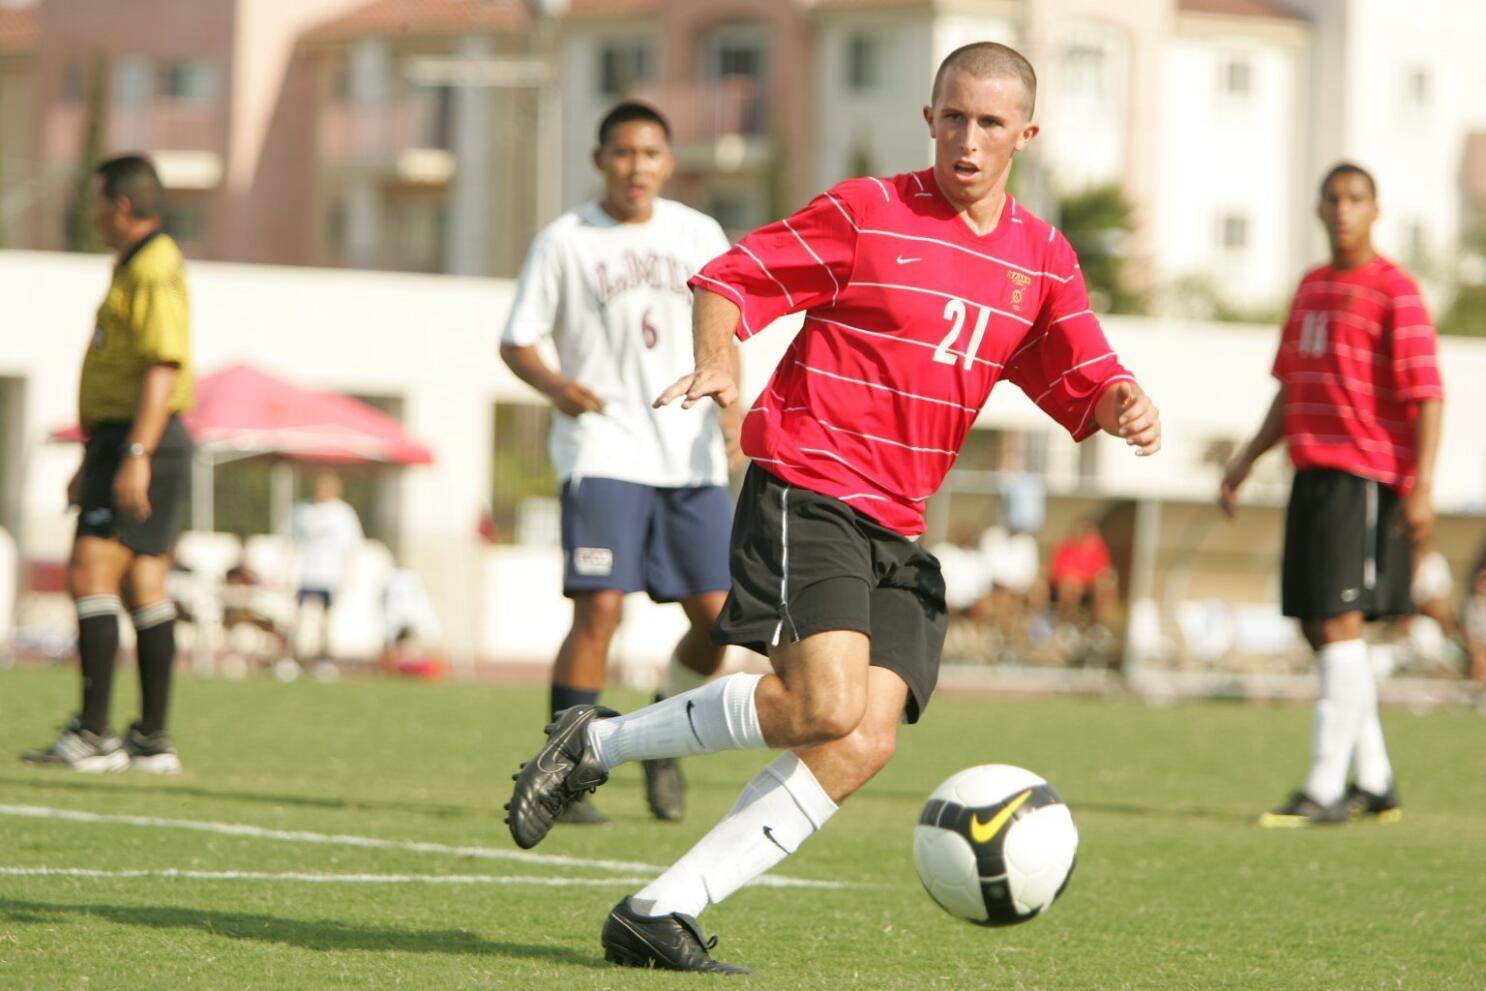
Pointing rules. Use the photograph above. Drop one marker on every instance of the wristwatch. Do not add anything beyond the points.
(136, 450)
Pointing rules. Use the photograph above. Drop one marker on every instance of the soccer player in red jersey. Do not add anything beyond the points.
(920, 292)
(1359, 408)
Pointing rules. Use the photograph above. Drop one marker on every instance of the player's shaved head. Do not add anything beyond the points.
(989, 60)
(1347, 168)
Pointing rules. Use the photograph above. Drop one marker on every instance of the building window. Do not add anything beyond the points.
(74, 82)
(1086, 71)
(1416, 244)
(623, 65)
(1416, 87)
(191, 81)
(183, 223)
(1235, 77)
(1233, 232)
(863, 63)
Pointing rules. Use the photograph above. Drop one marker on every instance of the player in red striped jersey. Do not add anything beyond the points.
(920, 292)
(1359, 407)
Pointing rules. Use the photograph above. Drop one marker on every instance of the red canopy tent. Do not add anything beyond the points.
(242, 411)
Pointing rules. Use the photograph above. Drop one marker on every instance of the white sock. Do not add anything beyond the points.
(1347, 685)
(778, 810)
(721, 715)
(680, 678)
(1370, 764)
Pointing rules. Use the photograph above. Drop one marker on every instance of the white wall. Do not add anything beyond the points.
(431, 340)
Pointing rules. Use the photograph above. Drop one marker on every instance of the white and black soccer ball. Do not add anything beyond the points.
(995, 845)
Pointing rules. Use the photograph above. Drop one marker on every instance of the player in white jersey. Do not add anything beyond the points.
(645, 504)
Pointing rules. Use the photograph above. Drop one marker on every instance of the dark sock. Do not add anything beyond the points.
(565, 697)
(154, 627)
(97, 643)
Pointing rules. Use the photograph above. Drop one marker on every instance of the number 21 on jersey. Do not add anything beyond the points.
(955, 312)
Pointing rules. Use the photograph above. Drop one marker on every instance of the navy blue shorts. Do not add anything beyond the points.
(669, 542)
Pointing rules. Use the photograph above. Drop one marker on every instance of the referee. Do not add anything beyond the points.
(131, 487)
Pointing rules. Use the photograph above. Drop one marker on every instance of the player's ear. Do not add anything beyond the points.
(929, 119)
(598, 157)
(1028, 133)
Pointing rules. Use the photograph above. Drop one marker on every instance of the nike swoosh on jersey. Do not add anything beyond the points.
(908, 261)
(982, 832)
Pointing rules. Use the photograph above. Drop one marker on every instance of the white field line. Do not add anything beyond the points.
(318, 878)
(372, 842)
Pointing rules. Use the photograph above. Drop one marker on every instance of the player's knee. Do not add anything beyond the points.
(830, 719)
(597, 615)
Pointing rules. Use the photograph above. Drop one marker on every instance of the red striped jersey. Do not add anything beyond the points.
(910, 319)
(1357, 354)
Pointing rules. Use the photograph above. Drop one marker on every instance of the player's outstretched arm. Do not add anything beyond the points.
(1271, 432)
(713, 321)
(1126, 411)
(572, 398)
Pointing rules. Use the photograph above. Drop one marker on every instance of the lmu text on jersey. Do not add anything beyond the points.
(650, 269)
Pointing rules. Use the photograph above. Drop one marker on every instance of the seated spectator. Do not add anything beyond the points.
(1081, 575)
(1473, 626)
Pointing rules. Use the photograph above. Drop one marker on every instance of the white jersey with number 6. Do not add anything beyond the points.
(614, 297)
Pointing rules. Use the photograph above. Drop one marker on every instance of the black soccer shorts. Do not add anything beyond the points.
(1346, 549)
(170, 480)
(804, 563)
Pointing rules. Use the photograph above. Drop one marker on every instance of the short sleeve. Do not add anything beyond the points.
(1064, 363)
(1284, 356)
(160, 319)
(798, 263)
(538, 293)
(1413, 345)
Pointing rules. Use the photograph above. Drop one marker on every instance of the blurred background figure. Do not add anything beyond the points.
(1081, 576)
(1473, 625)
(327, 531)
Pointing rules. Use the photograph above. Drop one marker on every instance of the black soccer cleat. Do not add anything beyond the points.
(562, 770)
(82, 750)
(665, 788)
(152, 753)
(661, 942)
(1385, 808)
(1302, 810)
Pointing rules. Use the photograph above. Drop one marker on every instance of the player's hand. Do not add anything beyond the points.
(1139, 421)
(1418, 515)
(707, 380)
(75, 488)
(575, 398)
(1233, 479)
(132, 488)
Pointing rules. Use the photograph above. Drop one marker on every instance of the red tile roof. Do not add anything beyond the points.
(20, 29)
(424, 17)
(1238, 8)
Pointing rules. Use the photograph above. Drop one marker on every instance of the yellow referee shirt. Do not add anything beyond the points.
(145, 320)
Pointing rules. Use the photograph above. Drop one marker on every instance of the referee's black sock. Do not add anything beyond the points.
(565, 697)
(154, 626)
(97, 644)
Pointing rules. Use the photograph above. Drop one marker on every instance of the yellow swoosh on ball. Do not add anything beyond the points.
(981, 832)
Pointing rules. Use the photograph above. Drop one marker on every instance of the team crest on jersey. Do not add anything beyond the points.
(1021, 280)
(594, 561)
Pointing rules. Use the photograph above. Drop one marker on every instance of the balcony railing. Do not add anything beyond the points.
(381, 133)
(164, 125)
(709, 110)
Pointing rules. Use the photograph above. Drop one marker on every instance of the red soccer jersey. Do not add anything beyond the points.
(1357, 354)
(910, 319)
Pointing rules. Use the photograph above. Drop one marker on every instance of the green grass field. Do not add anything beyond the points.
(1174, 889)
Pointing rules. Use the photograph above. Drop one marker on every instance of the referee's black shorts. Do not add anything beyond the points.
(1346, 549)
(170, 481)
(803, 563)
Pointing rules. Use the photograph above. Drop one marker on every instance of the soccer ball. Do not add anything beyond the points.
(995, 845)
